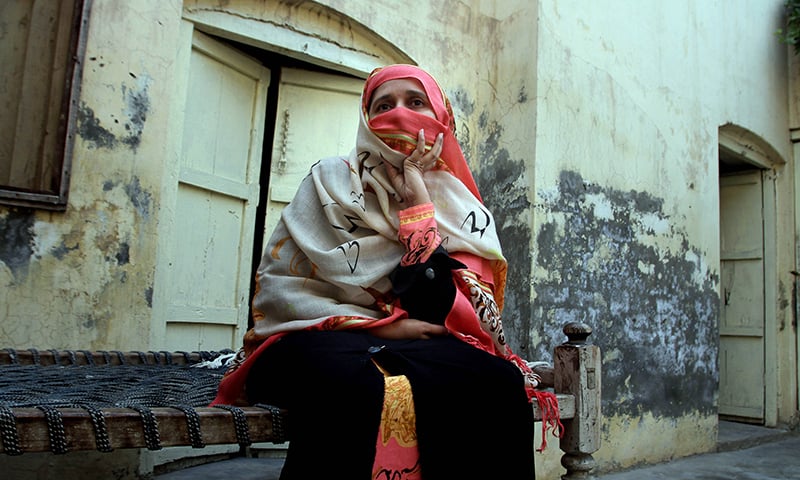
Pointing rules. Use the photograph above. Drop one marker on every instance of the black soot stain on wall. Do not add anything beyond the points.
(61, 250)
(506, 198)
(123, 255)
(138, 103)
(654, 312)
(139, 197)
(91, 129)
(16, 241)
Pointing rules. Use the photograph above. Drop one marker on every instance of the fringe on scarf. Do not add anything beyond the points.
(223, 360)
(551, 419)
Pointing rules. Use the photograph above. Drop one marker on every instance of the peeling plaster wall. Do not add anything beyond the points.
(625, 231)
(84, 278)
(595, 147)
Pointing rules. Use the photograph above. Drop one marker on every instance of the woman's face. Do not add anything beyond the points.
(402, 92)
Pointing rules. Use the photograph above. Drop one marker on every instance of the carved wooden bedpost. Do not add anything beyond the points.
(577, 368)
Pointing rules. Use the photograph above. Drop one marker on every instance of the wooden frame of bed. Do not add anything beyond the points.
(575, 377)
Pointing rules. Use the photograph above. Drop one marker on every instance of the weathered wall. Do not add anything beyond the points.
(84, 278)
(626, 198)
(592, 131)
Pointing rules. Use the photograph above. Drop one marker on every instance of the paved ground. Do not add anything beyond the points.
(776, 460)
(234, 469)
(746, 453)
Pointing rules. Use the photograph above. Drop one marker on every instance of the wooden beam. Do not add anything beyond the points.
(126, 429)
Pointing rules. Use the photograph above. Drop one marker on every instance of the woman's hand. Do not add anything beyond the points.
(408, 329)
(409, 183)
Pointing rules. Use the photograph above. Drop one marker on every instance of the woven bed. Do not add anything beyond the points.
(62, 401)
(79, 400)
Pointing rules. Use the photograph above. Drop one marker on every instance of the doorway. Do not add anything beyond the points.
(747, 291)
(742, 306)
(255, 122)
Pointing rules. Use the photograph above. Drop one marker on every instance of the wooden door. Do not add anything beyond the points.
(218, 191)
(742, 312)
(317, 117)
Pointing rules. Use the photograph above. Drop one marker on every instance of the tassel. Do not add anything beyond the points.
(551, 419)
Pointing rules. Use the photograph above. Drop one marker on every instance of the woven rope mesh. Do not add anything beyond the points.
(107, 386)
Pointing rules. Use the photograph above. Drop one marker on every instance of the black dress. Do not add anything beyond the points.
(473, 417)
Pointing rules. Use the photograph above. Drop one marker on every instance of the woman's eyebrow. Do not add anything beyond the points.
(380, 99)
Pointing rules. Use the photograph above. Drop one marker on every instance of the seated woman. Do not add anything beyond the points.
(384, 283)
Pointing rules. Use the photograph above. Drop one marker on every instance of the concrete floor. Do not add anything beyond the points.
(746, 452)
(234, 469)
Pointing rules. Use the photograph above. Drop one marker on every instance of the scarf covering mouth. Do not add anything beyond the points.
(398, 129)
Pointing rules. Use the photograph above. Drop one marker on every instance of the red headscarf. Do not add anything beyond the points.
(399, 127)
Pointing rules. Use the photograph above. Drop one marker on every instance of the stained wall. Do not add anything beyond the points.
(84, 278)
(626, 202)
(592, 131)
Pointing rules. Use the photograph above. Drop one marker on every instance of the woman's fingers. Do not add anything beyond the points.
(408, 181)
(417, 155)
(392, 172)
(421, 141)
(425, 160)
(436, 150)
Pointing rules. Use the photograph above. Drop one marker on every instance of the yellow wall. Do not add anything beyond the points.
(552, 98)
(84, 278)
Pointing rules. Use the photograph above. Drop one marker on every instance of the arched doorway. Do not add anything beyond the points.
(748, 289)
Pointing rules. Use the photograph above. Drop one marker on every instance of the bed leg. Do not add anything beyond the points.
(577, 368)
(578, 465)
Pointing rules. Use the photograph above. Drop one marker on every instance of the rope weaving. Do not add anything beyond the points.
(98, 381)
(55, 429)
(278, 427)
(8, 431)
(240, 424)
(107, 386)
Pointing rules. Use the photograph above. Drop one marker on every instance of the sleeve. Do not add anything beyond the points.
(423, 281)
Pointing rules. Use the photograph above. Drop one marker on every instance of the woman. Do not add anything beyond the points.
(384, 282)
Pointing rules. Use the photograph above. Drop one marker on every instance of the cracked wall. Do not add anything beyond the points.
(75, 285)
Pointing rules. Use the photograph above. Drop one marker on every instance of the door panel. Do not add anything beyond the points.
(317, 118)
(217, 198)
(742, 304)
